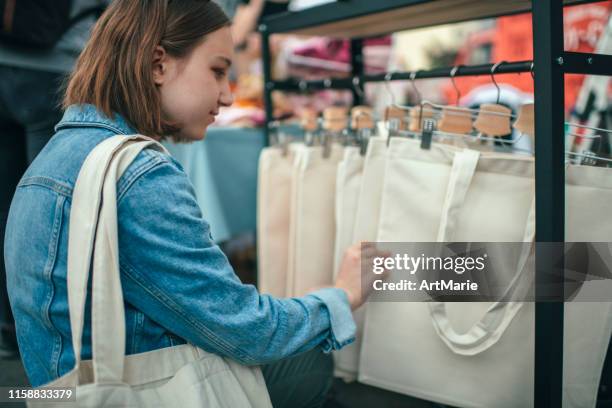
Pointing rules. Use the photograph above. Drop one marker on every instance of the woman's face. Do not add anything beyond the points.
(193, 88)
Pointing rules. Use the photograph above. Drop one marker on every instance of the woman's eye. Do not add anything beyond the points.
(219, 73)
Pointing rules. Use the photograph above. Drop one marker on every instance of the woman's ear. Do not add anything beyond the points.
(160, 61)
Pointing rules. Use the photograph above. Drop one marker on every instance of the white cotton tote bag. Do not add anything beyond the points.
(273, 218)
(183, 375)
(348, 187)
(588, 320)
(372, 180)
(298, 150)
(494, 367)
(402, 350)
(364, 229)
(312, 225)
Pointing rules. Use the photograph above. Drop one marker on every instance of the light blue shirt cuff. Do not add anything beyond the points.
(342, 330)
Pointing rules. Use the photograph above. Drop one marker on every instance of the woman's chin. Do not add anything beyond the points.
(193, 135)
(202, 134)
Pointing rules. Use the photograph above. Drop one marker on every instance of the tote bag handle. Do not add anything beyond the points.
(93, 231)
(499, 315)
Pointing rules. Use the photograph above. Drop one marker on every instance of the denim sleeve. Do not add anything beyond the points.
(173, 272)
(342, 323)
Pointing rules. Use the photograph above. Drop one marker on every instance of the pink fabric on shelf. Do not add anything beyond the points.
(329, 54)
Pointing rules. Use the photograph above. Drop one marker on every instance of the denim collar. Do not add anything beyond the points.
(89, 116)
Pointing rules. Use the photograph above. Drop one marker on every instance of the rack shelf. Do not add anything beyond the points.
(293, 84)
(367, 18)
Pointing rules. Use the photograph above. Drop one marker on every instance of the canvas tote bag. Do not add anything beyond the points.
(175, 376)
(588, 319)
(368, 204)
(587, 324)
(299, 149)
(273, 218)
(312, 226)
(364, 229)
(464, 185)
(348, 187)
(415, 198)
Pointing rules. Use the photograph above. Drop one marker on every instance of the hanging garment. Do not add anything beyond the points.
(348, 187)
(175, 376)
(273, 214)
(368, 206)
(466, 184)
(299, 150)
(312, 225)
(588, 320)
(365, 227)
(437, 351)
(459, 193)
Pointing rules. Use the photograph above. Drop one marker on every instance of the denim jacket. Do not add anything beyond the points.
(178, 285)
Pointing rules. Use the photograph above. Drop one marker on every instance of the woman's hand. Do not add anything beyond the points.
(350, 277)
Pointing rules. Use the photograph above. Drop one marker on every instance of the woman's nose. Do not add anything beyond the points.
(226, 99)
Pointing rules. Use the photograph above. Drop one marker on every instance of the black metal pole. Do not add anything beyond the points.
(587, 63)
(464, 70)
(550, 198)
(267, 77)
(346, 83)
(357, 70)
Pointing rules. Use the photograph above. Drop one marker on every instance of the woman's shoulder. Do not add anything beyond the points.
(81, 129)
(59, 163)
(155, 171)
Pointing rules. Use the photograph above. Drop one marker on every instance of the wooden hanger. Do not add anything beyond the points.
(396, 114)
(362, 121)
(334, 122)
(362, 117)
(494, 119)
(417, 116)
(309, 119)
(525, 122)
(455, 120)
(334, 118)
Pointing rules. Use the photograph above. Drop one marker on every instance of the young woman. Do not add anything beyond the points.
(159, 68)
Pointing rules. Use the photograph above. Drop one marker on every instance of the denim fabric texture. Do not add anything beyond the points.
(178, 285)
(28, 111)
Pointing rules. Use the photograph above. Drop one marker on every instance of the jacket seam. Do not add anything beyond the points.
(53, 247)
(41, 181)
(236, 352)
(137, 332)
(136, 173)
(72, 124)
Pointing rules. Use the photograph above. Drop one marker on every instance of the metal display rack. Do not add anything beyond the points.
(358, 19)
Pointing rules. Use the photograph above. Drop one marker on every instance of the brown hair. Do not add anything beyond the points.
(114, 71)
